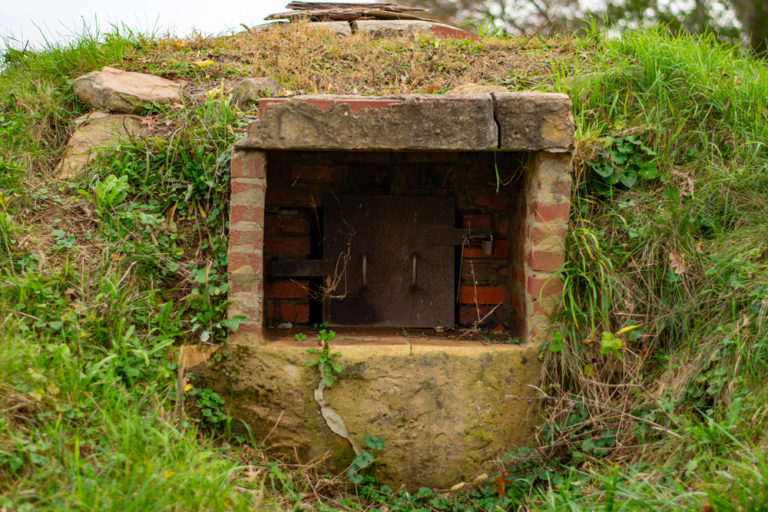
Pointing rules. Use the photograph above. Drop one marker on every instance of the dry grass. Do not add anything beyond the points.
(305, 59)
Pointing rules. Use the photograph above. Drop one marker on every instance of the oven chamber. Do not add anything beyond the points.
(400, 222)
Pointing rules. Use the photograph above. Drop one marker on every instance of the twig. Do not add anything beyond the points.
(478, 322)
(280, 417)
(180, 385)
(602, 405)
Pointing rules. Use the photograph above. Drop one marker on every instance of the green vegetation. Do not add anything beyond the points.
(654, 394)
(325, 360)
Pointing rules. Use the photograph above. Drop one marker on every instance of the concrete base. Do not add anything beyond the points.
(444, 411)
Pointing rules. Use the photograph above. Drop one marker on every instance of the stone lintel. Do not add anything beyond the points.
(534, 121)
(396, 123)
(515, 121)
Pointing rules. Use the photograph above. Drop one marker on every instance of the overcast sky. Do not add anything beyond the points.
(24, 20)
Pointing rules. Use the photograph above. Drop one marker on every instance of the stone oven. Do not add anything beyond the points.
(427, 231)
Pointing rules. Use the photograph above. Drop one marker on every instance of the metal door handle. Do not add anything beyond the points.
(414, 258)
(365, 271)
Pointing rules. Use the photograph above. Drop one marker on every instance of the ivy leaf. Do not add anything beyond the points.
(233, 323)
(374, 442)
(629, 179)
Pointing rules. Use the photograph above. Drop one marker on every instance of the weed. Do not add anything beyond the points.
(365, 460)
(62, 240)
(210, 404)
(325, 359)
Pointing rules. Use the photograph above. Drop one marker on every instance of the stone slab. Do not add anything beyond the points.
(444, 411)
(534, 121)
(95, 131)
(127, 92)
(509, 121)
(390, 28)
(412, 122)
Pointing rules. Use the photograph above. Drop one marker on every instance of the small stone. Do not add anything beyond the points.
(251, 89)
(114, 90)
(475, 89)
(95, 132)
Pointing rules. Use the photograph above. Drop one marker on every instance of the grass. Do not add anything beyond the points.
(654, 383)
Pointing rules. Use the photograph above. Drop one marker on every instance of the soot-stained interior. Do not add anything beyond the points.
(421, 240)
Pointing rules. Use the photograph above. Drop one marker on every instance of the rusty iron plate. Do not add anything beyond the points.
(390, 269)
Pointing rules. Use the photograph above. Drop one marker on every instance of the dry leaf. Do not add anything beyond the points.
(149, 122)
(676, 263)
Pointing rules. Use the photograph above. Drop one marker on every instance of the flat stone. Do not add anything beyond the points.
(412, 122)
(95, 132)
(115, 90)
(475, 89)
(340, 28)
(252, 89)
(534, 121)
(445, 412)
(394, 28)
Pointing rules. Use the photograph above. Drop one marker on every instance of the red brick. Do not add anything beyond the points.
(544, 212)
(296, 224)
(443, 32)
(492, 200)
(238, 260)
(563, 188)
(249, 327)
(477, 221)
(245, 212)
(538, 234)
(239, 186)
(296, 313)
(543, 287)
(248, 164)
(468, 314)
(287, 289)
(236, 288)
(291, 197)
(239, 238)
(485, 294)
(482, 271)
(503, 228)
(284, 246)
(500, 250)
(545, 261)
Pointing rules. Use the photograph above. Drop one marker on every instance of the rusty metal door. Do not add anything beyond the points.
(391, 266)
